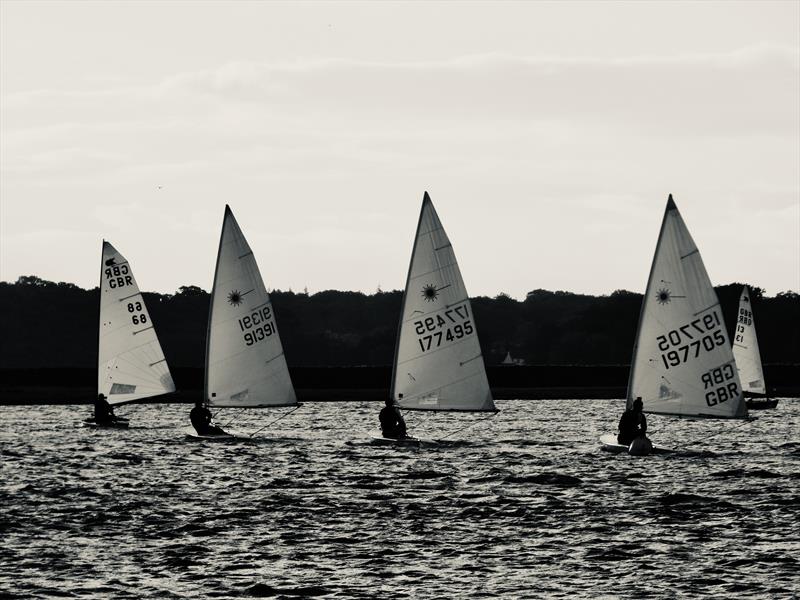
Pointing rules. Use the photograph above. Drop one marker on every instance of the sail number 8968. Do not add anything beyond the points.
(135, 307)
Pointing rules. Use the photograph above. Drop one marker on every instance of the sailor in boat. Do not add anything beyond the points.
(103, 413)
(632, 424)
(201, 420)
(392, 424)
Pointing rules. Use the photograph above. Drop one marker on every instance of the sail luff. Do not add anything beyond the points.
(206, 397)
(631, 371)
(392, 390)
(100, 313)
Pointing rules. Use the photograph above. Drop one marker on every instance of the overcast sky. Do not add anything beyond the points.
(548, 135)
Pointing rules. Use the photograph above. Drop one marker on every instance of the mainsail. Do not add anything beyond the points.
(131, 364)
(745, 348)
(438, 362)
(682, 360)
(245, 364)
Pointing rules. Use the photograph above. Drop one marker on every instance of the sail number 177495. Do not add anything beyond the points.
(448, 326)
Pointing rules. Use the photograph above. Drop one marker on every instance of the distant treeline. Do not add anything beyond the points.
(47, 325)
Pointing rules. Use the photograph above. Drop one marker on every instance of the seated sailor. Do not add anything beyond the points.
(201, 420)
(392, 423)
(103, 413)
(632, 424)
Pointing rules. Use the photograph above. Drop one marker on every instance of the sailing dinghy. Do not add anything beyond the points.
(131, 364)
(438, 365)
(245, 364)
(682, 360)
(748, 357)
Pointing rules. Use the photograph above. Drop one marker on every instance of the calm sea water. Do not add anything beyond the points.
(520, 505)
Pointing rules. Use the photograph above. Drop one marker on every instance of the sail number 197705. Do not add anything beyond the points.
(687, 341)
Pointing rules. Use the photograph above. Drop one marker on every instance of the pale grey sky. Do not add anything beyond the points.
(548, 135)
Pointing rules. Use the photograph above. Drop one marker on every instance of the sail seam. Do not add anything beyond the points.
(705, 309)
(461, 364)
(462, 340)
(433, 312)
(273, 358)
(430, 231)
(436, 270)
(437, 389)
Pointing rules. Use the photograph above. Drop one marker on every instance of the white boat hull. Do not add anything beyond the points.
(191, 433)
(608, 443)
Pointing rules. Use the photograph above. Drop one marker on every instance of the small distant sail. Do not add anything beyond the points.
(245, 364)
(682, 360)
(508, 360)
(745, 348)
(438, 361)
(131, 364)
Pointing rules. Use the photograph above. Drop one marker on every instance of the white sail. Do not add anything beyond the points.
(745, 348)
(131, 364)
(245, 364)
(438, 363)
(682, 360)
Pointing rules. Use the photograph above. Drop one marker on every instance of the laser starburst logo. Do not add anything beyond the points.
(663, 296)
(430, 293)
(235, 298)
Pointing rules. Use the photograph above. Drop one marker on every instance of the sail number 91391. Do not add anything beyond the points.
(257, 326)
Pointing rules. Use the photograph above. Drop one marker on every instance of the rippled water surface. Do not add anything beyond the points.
(520, 505)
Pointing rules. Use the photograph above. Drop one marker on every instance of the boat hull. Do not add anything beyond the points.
(118, 424)
(404, 441)
(761, 403)
(608, 443)
(192, 434)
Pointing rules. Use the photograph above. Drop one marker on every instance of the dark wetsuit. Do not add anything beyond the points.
(201, 421)
(103, 413)
(392, 423)
(631, 425)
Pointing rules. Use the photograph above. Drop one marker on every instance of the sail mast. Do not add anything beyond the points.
(631, 370)
(425, 199)
(206, 398)
(99, 313)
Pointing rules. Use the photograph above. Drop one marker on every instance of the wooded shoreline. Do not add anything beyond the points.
(334, 384)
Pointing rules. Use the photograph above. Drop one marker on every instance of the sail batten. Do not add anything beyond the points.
(682, 362)
(131, 363)
(436, 364)
(245, 363)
